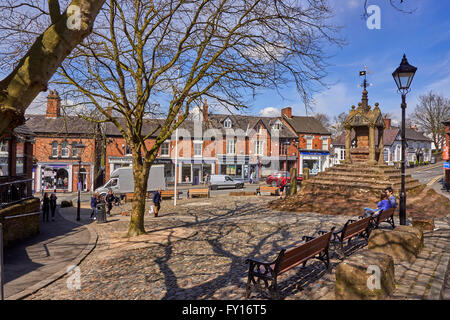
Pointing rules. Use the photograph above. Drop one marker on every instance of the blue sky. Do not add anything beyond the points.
(424, 36)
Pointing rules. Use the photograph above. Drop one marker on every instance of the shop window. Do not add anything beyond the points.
(312, 165)
(62, 179)
(4, 158)
(54, 149)
(20, 158)
(186, 173)
(65, 149)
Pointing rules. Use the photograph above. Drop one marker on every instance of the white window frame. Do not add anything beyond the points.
(325, 143)
(65, 147)
(227, 123)
(342, 154)
(163, 146)
(231, 144)
(308, 142)
(55, 144)
(198, 143)
(259, 147)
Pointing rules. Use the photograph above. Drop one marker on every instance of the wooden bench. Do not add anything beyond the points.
(351, 229)
(198, 192)
(273, 190)
(384, 216)
(169, 194)
(286, 260)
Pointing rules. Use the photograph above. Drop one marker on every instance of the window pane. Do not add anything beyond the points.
(20, 157)
(54, 149)
(4, 158)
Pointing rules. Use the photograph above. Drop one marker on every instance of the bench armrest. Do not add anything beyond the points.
(307, 238)
(257, 262)
(322, 232)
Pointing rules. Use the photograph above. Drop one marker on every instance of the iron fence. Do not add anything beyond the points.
(15, 191)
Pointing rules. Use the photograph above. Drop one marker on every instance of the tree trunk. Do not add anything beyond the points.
(293, 181)
(141, 171)
(44, 57)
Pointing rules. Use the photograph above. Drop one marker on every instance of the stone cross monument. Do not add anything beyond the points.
(365, 122)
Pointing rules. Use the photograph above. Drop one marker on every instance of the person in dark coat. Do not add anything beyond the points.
(53, 205)
(45, 207)
(110, 199)
(157, 201)
(94, 202)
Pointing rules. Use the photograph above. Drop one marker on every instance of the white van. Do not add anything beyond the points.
(217, 181)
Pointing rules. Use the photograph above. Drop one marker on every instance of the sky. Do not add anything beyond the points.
(423, 35)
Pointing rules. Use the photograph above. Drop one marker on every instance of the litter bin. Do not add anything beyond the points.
(101, 213)
(287, 189)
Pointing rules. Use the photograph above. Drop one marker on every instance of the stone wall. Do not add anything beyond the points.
(20, 221)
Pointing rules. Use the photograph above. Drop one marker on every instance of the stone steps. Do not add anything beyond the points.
(362, 169)
(364, 174)
(365, 178)
(361, 185)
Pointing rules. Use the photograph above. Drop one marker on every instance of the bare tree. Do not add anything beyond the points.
(337, 126)
(183, 50)
(35, 39)
(429, 114)
(323, 119)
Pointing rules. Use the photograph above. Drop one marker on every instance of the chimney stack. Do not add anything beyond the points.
(205, 111)
(53, 105)
(109, 109)
(387, 123)
(287, 112)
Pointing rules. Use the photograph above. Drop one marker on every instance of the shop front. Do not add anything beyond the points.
(195, 171)
(315, 161)
(237, 167)
(62, 177)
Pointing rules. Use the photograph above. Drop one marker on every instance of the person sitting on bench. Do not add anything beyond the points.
(384, 204)
(392, 199)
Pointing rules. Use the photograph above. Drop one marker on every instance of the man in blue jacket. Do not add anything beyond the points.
(157, 201)
(383, 205)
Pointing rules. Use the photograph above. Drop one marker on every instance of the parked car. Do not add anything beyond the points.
(272, 179)
(217, 181)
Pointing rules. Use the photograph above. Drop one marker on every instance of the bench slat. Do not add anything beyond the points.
(356, 227)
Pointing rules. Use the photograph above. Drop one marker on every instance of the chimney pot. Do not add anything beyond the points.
(53, 105)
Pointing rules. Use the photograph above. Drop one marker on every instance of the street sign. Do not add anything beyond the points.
(446, 153)
(446, 165)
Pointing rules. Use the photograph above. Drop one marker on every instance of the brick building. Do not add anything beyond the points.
(313, 141)
(57, 162)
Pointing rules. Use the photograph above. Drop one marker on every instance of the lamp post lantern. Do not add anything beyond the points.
(80, 149)
(403, 76)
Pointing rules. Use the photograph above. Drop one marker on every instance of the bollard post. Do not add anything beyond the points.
(2, 297)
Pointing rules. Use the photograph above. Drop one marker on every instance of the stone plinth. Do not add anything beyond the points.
(403, 243)
(423, 223)
(366, 275)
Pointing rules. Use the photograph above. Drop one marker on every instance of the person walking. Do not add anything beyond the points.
(53, 205)
(45, 207)
(110, 199)
(282, 184)
(94, 202)
(157, 201)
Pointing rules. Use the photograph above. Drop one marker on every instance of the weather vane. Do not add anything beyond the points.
(365, 73)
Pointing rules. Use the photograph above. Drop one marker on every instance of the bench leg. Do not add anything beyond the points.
(274, 291)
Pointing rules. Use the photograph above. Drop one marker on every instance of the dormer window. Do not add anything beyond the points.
(277, 125)
(227, 123)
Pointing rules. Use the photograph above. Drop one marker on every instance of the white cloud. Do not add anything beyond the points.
(335, 100)
(269, 112)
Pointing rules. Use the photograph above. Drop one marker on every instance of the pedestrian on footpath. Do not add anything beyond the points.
(110, 199)
(94, 202)
(53, 205)
(157, 201)
(45, 207)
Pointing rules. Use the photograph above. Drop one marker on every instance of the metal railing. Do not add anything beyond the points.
(15, 191)
(2, 279)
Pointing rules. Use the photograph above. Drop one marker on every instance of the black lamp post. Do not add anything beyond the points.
(80, 148)
(403, 76)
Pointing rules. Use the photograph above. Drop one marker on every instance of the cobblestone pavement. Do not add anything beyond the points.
(197, 251)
